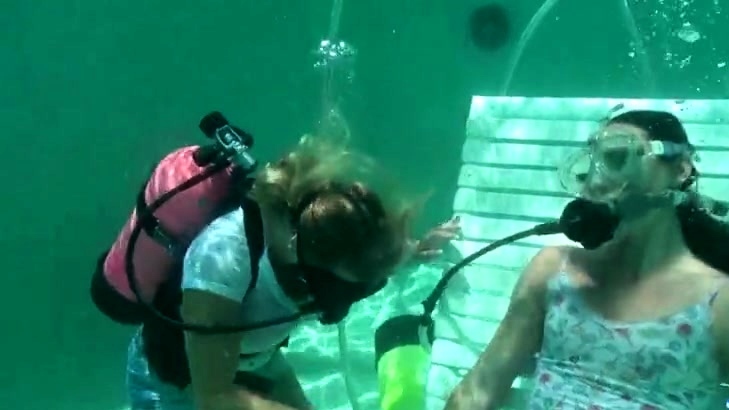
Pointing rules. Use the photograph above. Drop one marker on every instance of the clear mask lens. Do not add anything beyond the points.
(601, 171)
(574, 172)
(616, 152)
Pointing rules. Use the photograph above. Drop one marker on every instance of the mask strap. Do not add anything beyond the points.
(670, 149)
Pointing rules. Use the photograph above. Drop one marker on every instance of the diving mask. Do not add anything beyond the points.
(612, 162)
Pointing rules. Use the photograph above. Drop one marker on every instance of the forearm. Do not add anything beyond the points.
(258, 403)
(408, 258)
(483, 388)
(240, 399)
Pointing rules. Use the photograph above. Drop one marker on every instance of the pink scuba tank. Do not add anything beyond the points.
(183, 217)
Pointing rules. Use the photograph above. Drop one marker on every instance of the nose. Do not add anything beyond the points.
(596, 191)
(598, 188)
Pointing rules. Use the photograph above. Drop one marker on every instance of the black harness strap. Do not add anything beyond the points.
(253, 225)
(164, 345)
(154, 228)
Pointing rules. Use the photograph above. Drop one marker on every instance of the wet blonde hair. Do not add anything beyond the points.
(347, 220)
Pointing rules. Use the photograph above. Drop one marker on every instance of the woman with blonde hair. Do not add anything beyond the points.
(330, 240)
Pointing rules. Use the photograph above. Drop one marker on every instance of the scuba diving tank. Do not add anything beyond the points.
(402, 359)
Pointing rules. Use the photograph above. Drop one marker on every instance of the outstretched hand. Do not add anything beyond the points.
(432, 244)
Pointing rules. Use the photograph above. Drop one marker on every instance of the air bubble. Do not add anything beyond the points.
(688, 33)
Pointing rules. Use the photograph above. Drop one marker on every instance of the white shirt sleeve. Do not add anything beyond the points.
(217, 260)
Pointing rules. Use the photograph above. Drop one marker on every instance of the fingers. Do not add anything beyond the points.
(452, 226)
(453, 222)
(433, 253)
(444, 234)
(438, 237)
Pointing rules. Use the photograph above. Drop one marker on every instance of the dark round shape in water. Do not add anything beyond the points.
(489, 27)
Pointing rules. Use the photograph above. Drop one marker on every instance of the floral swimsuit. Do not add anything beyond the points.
(588, 362)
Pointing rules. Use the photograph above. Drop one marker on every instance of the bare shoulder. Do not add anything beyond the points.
(542, 267)
(719, 294)
(718, 288)
(707, 280)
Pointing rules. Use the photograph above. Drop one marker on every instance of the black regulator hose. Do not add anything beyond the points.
(430, 302)
(402, 343)
(589, 223)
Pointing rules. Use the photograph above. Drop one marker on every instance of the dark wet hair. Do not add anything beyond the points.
(705, 235)
(340, 218)
(349, 225)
